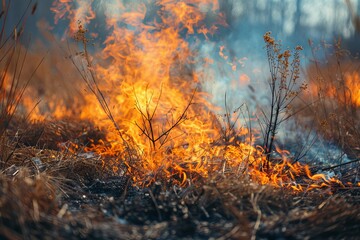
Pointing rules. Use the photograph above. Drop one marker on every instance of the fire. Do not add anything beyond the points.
(348, 91)
(352, 82)
(64, 8)
(149, 80)
(163, 126)
(345, 90)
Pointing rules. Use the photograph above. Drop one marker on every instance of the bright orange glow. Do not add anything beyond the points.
(346, 90)
(352, 82)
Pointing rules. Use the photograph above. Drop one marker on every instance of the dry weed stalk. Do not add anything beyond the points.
(12, 83)
(148, 124)
(285, 86)
(89, 76)
(230, 127)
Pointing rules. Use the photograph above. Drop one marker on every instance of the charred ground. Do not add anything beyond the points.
(56, 193)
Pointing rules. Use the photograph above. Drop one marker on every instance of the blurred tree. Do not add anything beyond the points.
(355, 18)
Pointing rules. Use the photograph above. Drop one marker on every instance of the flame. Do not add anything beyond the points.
(345, 90)
(349, 92)
(352, 81)
(83, 12)
(158, 106)
(164, 126)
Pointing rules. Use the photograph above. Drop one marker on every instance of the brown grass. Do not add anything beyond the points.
(60, 194)
(36, 181)
(51, 188)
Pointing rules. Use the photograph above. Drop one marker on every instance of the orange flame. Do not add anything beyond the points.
(346, 90)
(83, 12)
(352, 82)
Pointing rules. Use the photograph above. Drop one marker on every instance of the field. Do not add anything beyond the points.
(119, 140)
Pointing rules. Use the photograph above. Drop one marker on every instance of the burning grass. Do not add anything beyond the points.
(72, 196)
(334, 96)
(147, 156)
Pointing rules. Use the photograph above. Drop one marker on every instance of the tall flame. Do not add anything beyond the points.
(352, 82)
(150, 80)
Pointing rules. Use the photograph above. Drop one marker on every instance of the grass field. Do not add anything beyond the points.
(125, 145)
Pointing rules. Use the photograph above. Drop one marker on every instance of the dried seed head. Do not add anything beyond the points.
(268, 39)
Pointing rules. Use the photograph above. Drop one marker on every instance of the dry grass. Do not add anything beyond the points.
(333, 97)
(12, 82)
(50, 187)
(66, 193)
(262, 211)
(35, 182)
(26, 199)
